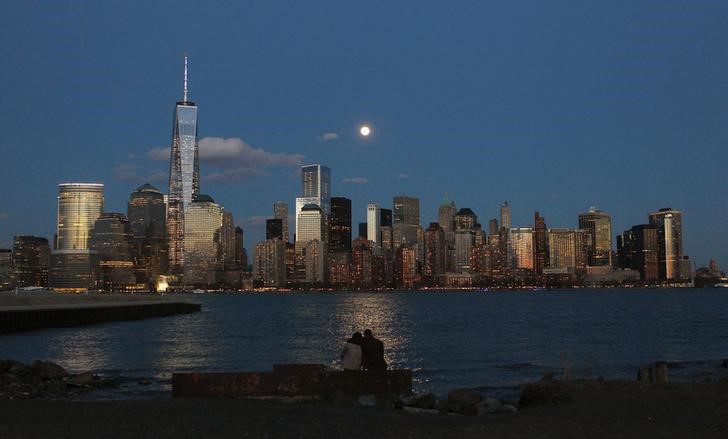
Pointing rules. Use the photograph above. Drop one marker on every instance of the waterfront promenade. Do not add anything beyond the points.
(26, 311)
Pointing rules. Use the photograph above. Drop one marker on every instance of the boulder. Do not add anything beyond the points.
(48, 370)
(509, 408)
(489, 406)
(422, 400)
(5, 365)
(463, 401)
(21, 370)
(367, 401)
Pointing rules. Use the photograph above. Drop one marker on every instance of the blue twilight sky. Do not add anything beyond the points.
(553, 106)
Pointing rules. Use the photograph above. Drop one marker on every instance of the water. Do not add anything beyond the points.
(494, 341)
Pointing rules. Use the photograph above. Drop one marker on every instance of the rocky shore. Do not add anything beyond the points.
(45, 380)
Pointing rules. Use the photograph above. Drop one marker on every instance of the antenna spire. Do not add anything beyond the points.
(184, 98)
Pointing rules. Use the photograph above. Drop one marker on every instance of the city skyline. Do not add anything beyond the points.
(662, 150)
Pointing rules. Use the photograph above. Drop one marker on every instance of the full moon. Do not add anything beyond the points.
(364, 130)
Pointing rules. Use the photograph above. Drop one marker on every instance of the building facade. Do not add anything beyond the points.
(598, 226)
(668, 222)
(31, 261)
(203, 224)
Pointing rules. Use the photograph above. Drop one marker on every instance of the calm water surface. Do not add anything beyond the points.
(491, 340)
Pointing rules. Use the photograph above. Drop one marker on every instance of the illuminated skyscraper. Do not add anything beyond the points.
(598, 226)
(269, 265)
(505, 215)
(435, 253)
(373, 225)
(31, 258)
(522, 248)
(465, 221)
(146, 211)
(73, 266)
(567, 249)
(340, 225)
(113, 241)
(203, 224)
(406, 223)
(637, 249)
(184, 175)
(669, 241)
(540, 244)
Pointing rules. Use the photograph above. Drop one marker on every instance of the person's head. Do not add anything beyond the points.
(368, 333)
(357, 336)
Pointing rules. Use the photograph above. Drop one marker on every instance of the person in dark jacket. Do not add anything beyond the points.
(372, 352)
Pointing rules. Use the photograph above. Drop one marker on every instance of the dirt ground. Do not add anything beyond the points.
(555, 410)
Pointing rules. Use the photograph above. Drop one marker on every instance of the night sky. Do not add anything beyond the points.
(553, 106)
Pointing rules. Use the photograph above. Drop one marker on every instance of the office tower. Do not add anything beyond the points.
(362, 231)
(405, 267)
(373, 225)
(387, 239)
(340, 225)
(274, 229)
(241, 256)
(7, 278)
(505, 215)
(269, 263)
(464, 221)
(540, 244)
(598, 226)
(227, 242)
(203, 223)
(446, 219)
(568, 249)
(30, 260)
(73, 266)
(79, 205)
(316, 189)
(637, 248)
(361, 263)
(315, 257)
(435, 253)
(280, 211)
(184, 175)
(406, 215)
(146, 212)
(669, 241)
(339, 263)
(113, 241)
(385, 217)
(309, 225)
(493, 228)
(522, 248)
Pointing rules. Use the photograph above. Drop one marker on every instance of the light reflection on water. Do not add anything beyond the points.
(448, 339)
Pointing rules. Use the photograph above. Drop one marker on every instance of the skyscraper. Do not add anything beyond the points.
(505, 215)
(280, 211)
(522, 248)
(406, 213)
(638, 250)
(113, 241)
(465, 221)
(669, 241)
(31, 257)
(274, 228)
(340, 225)
(598, 226)
(146, 212)
(73, 266)
(567, 249)
(373, 225)
(540, 244)
(269, 265)
(435, 253)
(203, 223)
(184, 175)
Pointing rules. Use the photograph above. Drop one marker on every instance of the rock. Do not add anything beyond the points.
(508, 408)
(367, 401)
(463, 401)
(82, 379)
(423, 400)
(5, 365)
(48, 370)
(21, 370)
(441, 405)
(489, 406)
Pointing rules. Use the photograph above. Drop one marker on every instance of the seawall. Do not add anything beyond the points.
(27, 318)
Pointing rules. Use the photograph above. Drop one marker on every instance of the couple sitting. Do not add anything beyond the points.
(363, 352)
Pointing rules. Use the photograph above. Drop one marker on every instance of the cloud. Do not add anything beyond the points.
(403, 176)
(234, 158)
(325, 137)
(356, 180)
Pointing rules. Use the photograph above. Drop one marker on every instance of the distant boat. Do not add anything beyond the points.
(721, 285)
(198, 291)
(32, 288)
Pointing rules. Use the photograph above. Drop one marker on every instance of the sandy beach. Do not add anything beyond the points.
(556, 409)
